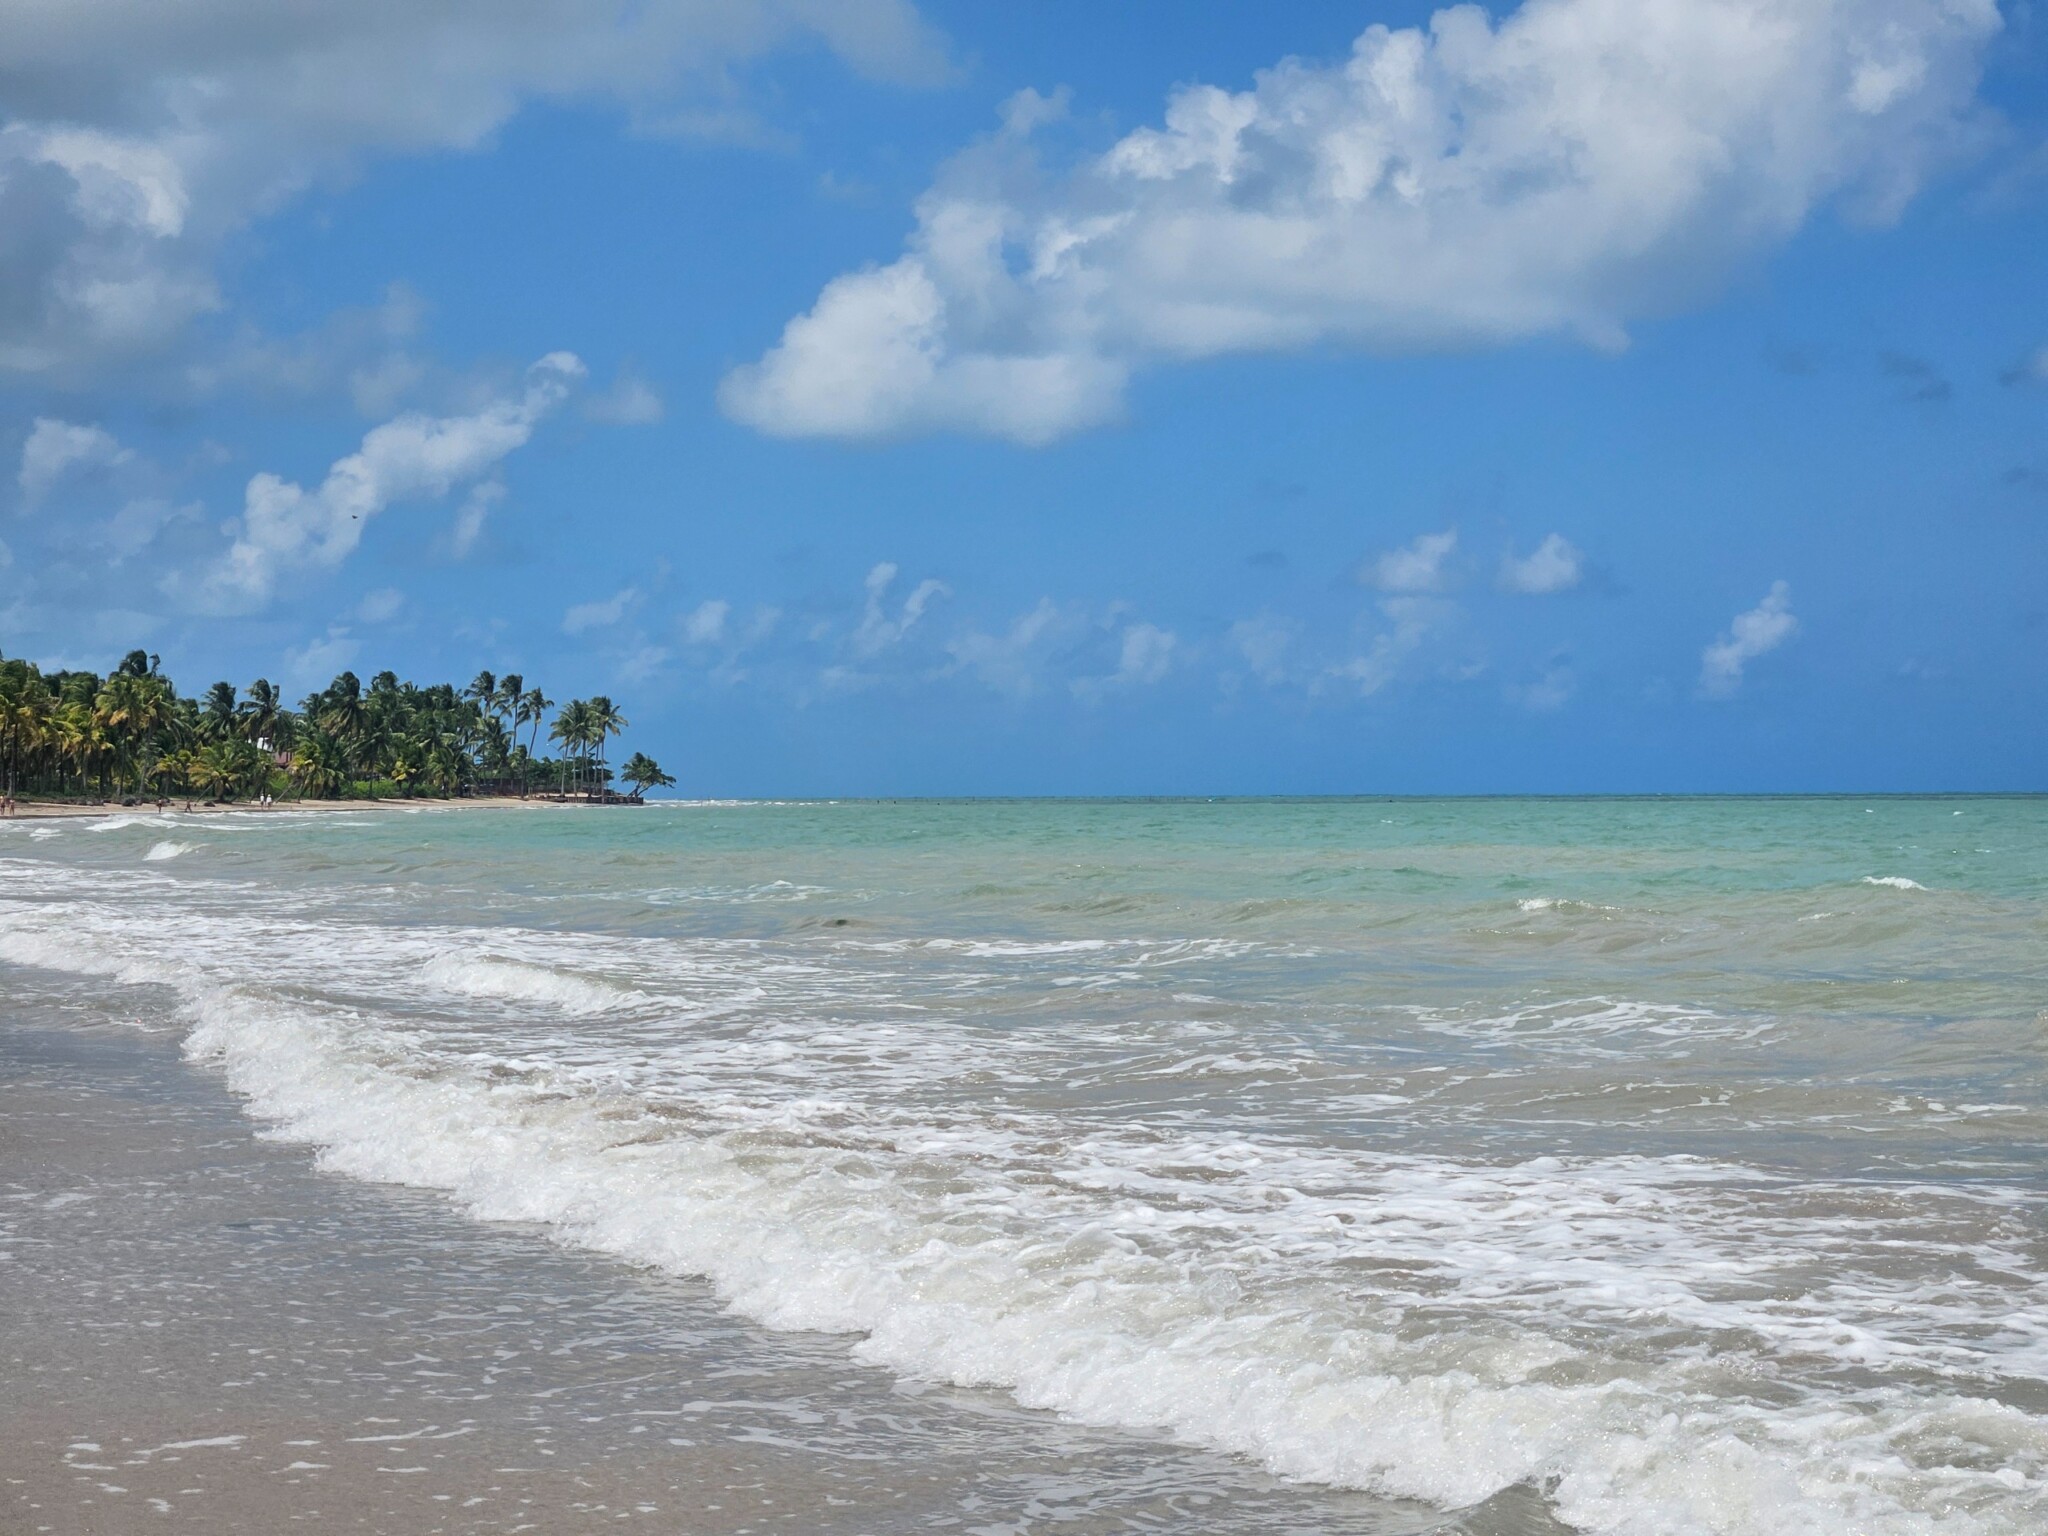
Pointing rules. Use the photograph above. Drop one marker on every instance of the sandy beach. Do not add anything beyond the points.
(205, 1333)
(43, 810)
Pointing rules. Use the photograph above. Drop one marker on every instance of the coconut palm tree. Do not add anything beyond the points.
(217, 769)
(220, 712)
(644, 773)
(319, 764)
(605, 721)
(25, 705)
(135, 707)
(572, 729)
(340, 710)
(263, 713)
(531, 709)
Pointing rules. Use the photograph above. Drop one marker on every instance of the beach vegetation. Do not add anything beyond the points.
(73, 734)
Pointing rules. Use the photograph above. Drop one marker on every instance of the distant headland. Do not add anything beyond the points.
(131, 736)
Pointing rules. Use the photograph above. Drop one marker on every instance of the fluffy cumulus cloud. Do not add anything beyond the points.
(55, 448)
(1756, 633)
(1144, 656)
(136, 136)
(601, 614)
(1552, 566)
(1410, 621)
(286, 528)
(1416, 567)
(1567, 170)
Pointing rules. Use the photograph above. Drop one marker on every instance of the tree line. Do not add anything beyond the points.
(132, 734)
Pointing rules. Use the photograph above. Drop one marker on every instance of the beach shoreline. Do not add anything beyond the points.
(47, 810)
(207, 1332)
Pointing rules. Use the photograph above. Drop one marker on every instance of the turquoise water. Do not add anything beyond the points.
(1680, 1161)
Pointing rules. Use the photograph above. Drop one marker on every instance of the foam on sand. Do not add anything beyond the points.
(1421, 1326)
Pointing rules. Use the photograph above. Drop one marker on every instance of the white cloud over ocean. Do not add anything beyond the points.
(55, 448)
(286, 528)
(1571, 169)
(137, 138)
(1552, 566)
(1755, 633)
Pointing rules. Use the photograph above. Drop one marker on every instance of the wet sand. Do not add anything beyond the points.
(203, 1332)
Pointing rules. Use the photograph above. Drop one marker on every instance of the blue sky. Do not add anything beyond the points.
(880, 399)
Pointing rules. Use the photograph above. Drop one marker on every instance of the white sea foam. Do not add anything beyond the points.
(159, 852)
(519, 981)
(1582, 1022)
(1896, 882)
(1667, 1344)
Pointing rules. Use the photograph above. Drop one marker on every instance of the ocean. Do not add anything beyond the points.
(1620, 1166)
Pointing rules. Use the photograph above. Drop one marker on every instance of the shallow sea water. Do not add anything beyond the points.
(1668, 1166)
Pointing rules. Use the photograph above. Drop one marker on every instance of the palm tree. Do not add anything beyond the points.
(483, 691)
(135, 706)
(221, 711)
(644, 773)
(217, 769)
(506, 700)
(25, 704)
(605, 722)
(531, 709)
(573, 730)
(263, 712)
(319, 765)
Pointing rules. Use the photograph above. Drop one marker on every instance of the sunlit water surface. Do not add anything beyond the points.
(1680, 1163)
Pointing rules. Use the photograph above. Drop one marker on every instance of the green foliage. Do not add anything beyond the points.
(644, 773)
(77, 734)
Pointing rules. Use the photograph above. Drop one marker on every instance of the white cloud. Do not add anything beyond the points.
(705, 624)
(643, 663)
(1145, 653)
(1756, 633)
(1263, 642)
(601, 614)
(878, 631)
(137, 137)
(1413, 619)
(134, 528)
(1146, 656)
(471, 516)
(1416, 567)
(381, 606)
(362, 351)
(872, 359)
(55, 448)
(1010, 662)
(630, 402)
(1553, 566)
(1569, 170)
(285, 528)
